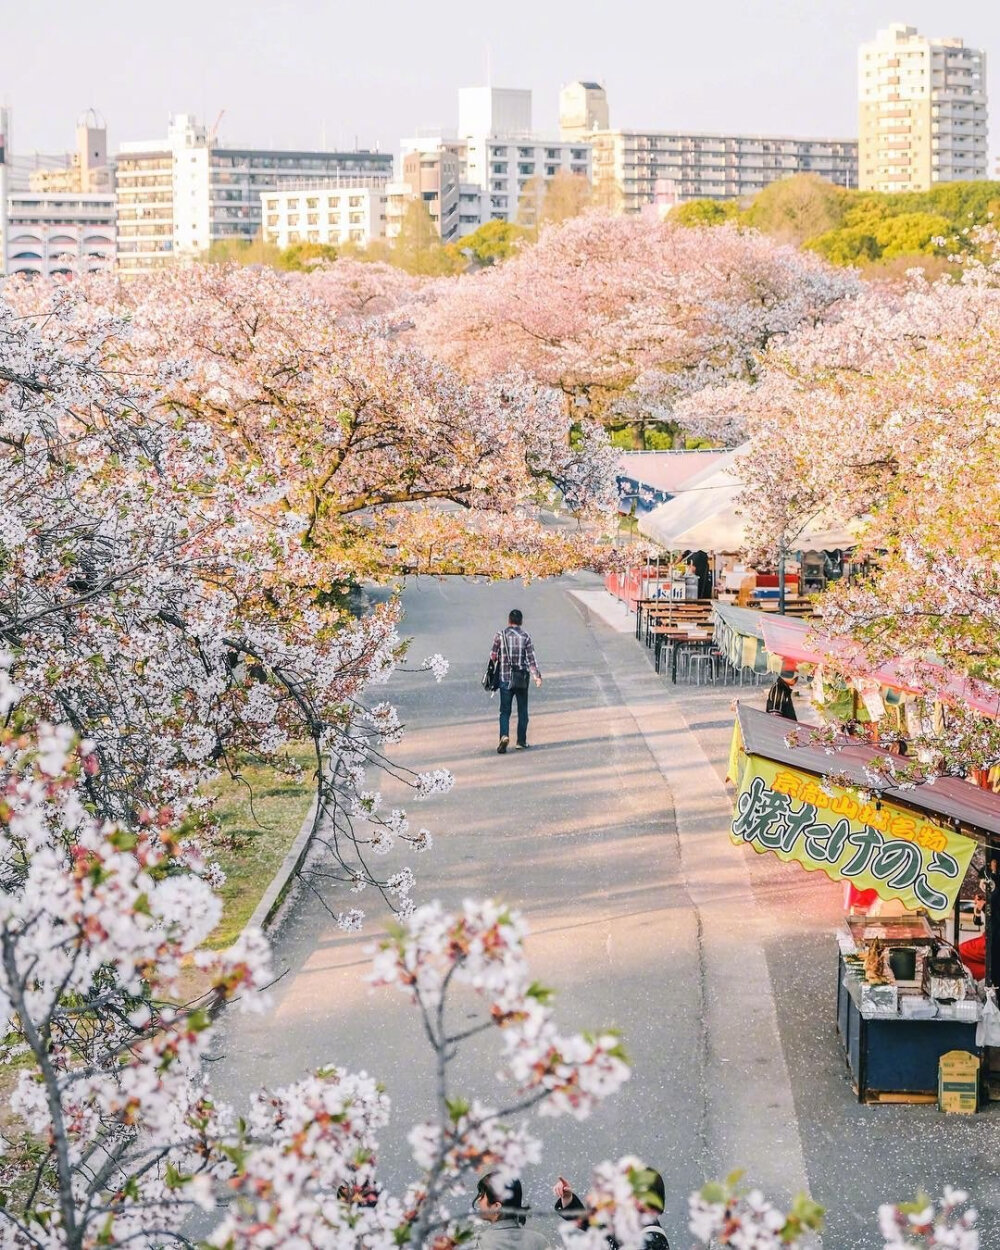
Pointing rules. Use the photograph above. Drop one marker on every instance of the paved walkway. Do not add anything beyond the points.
(610, 834)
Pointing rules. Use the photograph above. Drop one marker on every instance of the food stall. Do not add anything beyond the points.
(903, 998)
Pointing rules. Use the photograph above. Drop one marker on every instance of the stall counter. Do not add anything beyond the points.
(892, 1058)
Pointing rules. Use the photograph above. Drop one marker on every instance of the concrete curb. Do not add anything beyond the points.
(272, 898)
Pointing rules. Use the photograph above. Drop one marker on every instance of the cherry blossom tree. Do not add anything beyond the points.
(124, 1142)
(622, 315)
(155, 600)
(125, 1137)
(361, 290)
(886, 415)
(343, 424)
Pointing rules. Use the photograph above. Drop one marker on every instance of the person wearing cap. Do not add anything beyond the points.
(502, 1215)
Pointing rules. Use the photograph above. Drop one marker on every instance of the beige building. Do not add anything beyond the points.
(922, 115)
(583, 108)
(86, 171)
(635, 168)
(433, 174)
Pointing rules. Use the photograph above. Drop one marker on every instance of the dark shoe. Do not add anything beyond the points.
(502, 748)
(521, 746)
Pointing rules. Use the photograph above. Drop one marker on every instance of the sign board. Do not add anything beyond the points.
(958, 1082)
(874, 845)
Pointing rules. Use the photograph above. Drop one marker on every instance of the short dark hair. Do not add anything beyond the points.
(657, 1190)
(510, 1196)
(515, 616)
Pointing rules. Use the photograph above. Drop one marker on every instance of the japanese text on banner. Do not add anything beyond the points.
(882, 847)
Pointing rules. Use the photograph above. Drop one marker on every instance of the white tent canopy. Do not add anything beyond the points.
(702, 516)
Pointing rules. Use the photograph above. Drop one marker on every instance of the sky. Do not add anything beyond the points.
(324, 73)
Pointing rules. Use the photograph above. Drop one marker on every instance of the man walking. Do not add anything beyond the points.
(514, 654)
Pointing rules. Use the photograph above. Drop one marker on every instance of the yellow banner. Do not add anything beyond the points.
(875, 846)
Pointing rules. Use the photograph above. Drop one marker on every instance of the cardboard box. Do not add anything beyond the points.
(958, 1083)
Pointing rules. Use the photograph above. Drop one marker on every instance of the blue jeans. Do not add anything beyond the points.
(507, 697)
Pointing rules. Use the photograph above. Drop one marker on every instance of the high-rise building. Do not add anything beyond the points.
(493, 111)
(922, 113)
(502, 165)
(505, 158)
(178, 196)
(635, 168)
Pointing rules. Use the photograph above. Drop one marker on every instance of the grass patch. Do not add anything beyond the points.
(259, 818)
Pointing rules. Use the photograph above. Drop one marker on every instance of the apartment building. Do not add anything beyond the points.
(57, 215)
(351, 211)
(51, 234)
(502, 154)
(489, 168)
(635, 168)
(922, 111)
(432, 172)
(178, 196)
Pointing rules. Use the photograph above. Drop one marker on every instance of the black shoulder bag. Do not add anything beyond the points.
(491, 678)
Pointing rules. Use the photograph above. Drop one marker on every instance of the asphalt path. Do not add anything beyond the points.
(610, 835)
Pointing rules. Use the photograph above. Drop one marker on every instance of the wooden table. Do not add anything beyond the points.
(795, 605)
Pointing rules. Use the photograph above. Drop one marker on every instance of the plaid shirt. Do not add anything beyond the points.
(515, 651)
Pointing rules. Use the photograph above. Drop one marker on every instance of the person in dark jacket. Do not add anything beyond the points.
(570, 1207)
(779, 698)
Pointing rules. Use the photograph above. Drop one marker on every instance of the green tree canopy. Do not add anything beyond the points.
(418, 247)
(306, 255)
(797, 208)
(705, 212)
(493, 243)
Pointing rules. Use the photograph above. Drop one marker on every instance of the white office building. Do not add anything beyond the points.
(922, 111)
(487, 170)
(334, 212)
(176, 197)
